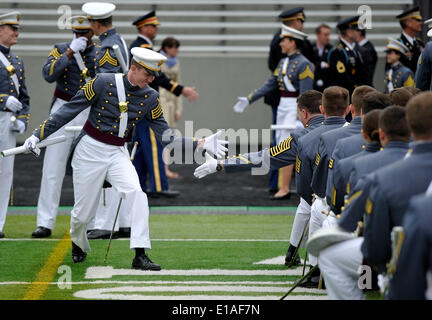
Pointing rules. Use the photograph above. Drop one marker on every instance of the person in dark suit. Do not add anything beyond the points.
(411, 23)
(368, 54)
(321, 49)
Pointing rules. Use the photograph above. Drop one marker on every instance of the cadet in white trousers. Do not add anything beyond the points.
(14, 104)
(69, 65)
(117, 103)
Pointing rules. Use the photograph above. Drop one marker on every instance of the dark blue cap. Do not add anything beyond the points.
(292, 14)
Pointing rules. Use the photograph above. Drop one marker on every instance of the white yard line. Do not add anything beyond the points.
(109, 272)
(116, 293)
(186, 240)
(240, 283)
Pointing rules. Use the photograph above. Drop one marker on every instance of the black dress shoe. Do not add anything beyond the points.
(142, 262)
(312, 282)
(289, 256)
(284, 197)
(2, 235)
(164, 194)
(41, 232)
(124, 232)
(101, 234)
(77, 254)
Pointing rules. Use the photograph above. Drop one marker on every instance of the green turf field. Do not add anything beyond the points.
(202, 257)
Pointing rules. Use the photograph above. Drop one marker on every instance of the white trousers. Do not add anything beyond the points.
(7, 141)
(53, 171)
(339, 265)
(107, 210)
(92, 163)
(301, 218)
(286, 115)
(316, 220)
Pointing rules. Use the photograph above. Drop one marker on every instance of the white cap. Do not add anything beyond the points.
(292, 33)
(149, 59)
(11, 18)
(80, 24)
(98, 10)
(429, 25)
(393, 44)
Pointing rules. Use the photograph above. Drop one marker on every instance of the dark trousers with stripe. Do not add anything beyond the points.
(148, 159)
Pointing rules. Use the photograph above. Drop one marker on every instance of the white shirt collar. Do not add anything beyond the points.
(363, 42)
(146, 39)
(351, 46)
(410, 39)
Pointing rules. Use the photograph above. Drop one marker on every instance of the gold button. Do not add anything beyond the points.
(11, 90)
(136, 118)
(133, 124)
(110, 84)
(106, 101)
(115, 127)
(97, 127)
(65, 82)
(99, 114)
(99, 121)
(139, 112)
(128, 94)
(111, 133)
(141, 104)
(146, 96)
(66, 69)
(103, 108)
(110, 93)
(66, 89)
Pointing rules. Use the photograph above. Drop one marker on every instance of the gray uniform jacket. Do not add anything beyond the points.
(354, 207)
(344, 148)
(280, 156)
(423, 74)
(415, 259)
(325, 149)
(342, 173)
(390, 192)
(66, 72)
(306, 155)
(106, 57)
(299, 71)
(7, 86)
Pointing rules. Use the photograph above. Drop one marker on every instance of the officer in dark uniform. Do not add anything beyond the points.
(14, 102)
(321, 49)
(423, 73)
(411, 23)
(69, 65)
(293, 18)
(368, 54)
(411, 281)
(346, 67)
(397, 75)
(148, 159)
(335, 102)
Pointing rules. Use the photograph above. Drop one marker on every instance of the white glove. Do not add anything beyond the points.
(30, 145)
(17, 126)
(215, 146)
(207, 167)
(78, 44)
(13, 104)
(241, 105)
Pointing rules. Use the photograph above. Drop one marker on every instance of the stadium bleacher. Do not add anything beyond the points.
(215, 26)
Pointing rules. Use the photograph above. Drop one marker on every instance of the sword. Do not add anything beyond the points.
(81, 65)
(73, 128)
(119, 205)
(119, 56)
(23, 149)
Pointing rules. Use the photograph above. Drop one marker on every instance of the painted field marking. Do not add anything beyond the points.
(169, 240)
(198, 297)
(116, 293)
(108, 272)
(48, 272)
(280, 260)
